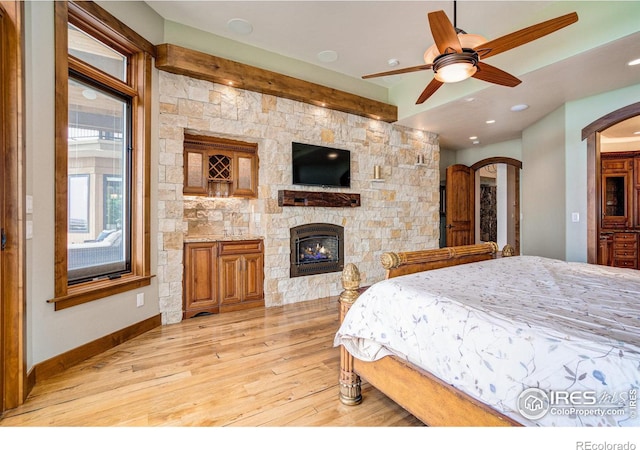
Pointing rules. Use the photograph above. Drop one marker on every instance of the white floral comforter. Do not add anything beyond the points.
(497, 327)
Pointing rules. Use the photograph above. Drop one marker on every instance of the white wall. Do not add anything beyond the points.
(50, 332)
(507, 149)
(543, 184)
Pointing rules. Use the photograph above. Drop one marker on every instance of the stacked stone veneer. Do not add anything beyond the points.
(400, 213)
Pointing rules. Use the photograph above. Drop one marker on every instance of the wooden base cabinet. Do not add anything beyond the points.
(241, 275)
(223, 276)
(625, 250)
(200, 279)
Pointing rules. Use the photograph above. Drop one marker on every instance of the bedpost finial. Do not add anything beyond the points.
(390, 260)
(350, 273)
(508, 250)
(350, 277)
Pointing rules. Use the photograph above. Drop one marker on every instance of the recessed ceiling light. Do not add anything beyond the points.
(469, 99)
(476, 142)
(636, 132)
(635, 62)
(328, 56)
(473, 137)
(520, 107)
(490, 121)
(393, 62)
(240, 26)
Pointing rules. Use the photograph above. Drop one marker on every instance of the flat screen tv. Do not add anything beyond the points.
(314, 165)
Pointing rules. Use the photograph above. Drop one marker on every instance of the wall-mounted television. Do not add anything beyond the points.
(314, 165)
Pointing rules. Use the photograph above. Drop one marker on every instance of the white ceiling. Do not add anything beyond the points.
(366, 34)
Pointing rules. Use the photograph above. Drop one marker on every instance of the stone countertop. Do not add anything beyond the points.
(218, 238)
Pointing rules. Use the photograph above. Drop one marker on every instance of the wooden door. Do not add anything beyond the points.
(245, 175)
(200, 281)
(636, 192)
(460, 201)
(230, 280)
(3, 177)
(253, 277)
(13, 379)
(196, 175)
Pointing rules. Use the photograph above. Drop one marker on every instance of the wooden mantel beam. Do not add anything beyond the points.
(195, 64)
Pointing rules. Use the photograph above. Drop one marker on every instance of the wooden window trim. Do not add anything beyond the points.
(13, 336)
(90, 17)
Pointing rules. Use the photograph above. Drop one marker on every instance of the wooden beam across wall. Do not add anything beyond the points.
(195, 64)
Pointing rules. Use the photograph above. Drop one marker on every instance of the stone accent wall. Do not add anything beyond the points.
(399, 213)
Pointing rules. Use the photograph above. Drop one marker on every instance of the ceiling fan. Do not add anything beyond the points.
(456, 55)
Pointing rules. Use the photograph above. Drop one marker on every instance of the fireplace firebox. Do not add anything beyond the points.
(316, 248)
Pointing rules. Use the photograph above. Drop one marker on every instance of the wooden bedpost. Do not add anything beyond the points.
(350, 384)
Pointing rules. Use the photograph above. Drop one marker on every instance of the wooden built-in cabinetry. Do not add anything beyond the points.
(223, 276)
(241, 269)
(620, 209)
(218, 167)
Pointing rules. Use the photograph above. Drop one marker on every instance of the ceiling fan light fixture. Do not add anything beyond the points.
(471, 40)
(455, 67)
(466, 41)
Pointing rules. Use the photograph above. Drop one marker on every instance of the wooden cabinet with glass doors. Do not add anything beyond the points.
(218, 167)
(620, 209)
(617, 192)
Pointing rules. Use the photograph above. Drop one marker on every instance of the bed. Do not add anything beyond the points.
(462, 337)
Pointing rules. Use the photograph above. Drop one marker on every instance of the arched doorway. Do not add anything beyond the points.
(508, 201)
(510, 186)
(592, 134)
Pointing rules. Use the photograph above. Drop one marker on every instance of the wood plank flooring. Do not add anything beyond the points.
(261, 367)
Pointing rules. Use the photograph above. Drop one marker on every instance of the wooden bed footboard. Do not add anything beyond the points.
(428, 398)
(404, 263)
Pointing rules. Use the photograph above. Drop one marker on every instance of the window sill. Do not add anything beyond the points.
(95, 290)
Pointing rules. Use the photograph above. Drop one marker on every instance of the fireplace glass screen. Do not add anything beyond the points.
(316, 248)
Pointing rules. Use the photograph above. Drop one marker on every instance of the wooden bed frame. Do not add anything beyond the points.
(428, 398)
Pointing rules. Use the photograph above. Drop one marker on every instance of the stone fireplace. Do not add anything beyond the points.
(397, 213)
(316, 248)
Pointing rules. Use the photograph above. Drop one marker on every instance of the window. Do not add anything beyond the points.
(103, 72)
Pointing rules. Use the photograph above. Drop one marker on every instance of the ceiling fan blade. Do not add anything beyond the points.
(494, 75)
(443, 33)
(429, 91)
(399, 71)
(525, 35)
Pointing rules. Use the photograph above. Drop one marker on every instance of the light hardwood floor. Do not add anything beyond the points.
(261, 367)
